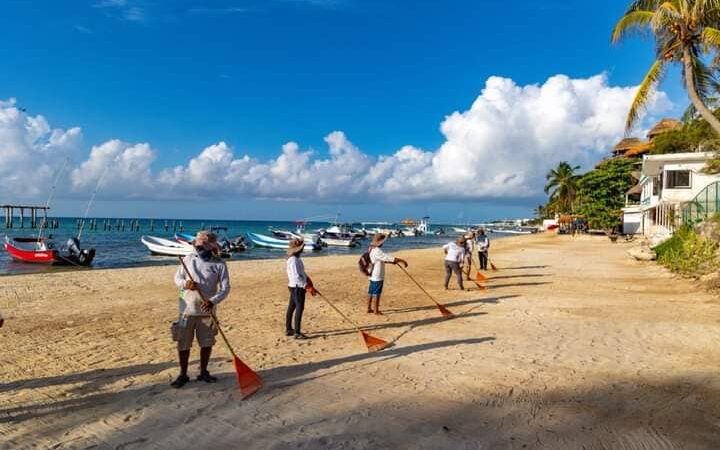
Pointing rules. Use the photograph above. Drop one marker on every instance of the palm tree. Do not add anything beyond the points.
(685, 32)
(562, 186)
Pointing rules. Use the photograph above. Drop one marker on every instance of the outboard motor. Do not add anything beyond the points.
(73, 247)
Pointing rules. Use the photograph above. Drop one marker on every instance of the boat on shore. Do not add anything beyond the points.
(38, 250)
(165, 247)
(261, 240)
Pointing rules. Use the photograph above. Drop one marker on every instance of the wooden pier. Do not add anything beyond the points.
(34, 217)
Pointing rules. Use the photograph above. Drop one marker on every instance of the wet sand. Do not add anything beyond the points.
(573, 345)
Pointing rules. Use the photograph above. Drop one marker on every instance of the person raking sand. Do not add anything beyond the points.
(454, 258)
(196, 315)
(377, 260)
(298, 283)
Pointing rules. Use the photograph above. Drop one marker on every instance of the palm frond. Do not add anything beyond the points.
(633, 21)
(710, 39)
(652, 78)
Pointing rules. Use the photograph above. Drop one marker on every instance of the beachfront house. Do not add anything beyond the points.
(672, 190)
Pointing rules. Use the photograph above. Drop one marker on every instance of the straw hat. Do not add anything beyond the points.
(208, 239)
(378, 239)
(460, 241)
(295, 246)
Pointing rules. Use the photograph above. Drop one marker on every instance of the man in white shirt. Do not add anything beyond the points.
(483, 245)
(210, 277)
(454, 257)
(297, 283)
(378, 258)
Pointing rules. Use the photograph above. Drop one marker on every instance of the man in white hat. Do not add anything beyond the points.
(209, 276)
(454, 257)
(298, 281)
(378, 258)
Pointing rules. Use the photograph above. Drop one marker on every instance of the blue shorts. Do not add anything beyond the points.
(375, 288)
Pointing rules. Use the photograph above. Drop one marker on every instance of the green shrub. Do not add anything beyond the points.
(688, 253)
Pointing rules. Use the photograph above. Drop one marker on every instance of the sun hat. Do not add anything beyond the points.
(378, 239)
(295, 246)
(207, 238)
(460, 241)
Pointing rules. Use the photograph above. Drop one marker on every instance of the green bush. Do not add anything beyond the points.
(688, 253)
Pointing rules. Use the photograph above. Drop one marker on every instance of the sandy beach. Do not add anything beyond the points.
(573, 345)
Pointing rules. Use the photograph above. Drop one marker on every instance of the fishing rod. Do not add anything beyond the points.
(52, 193)
(92, 198)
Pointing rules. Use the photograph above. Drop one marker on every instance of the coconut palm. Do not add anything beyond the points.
(686, 32)
(562, 186)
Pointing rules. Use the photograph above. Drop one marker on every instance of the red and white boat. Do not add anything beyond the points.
(43, 251)
(32, 250)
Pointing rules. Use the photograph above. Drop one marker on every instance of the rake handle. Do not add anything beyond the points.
(212, 314)
(418, 285)
(339, 312)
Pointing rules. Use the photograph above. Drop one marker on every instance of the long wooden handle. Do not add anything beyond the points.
(418, 285)
(339, 312)
(212, 313)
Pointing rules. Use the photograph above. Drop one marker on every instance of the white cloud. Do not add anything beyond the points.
(31, 152)
(501, 147)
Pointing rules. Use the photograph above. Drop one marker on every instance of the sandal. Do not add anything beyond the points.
(206, 377)
(180, 381)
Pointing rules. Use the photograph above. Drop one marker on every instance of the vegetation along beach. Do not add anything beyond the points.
(360, 225)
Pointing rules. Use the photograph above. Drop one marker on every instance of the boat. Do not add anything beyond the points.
(460, 230)
(261, 240)
(42, 251)
(339, 240)
(311, 239)
(344, 229)
(517, 230)
(165, 247)
(227, 245)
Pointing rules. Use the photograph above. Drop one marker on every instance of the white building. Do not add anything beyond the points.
(672, 189)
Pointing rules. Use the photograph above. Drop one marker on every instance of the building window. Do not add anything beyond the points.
(677, 179)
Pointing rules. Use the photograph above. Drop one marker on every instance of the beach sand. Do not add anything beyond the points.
(574, 345)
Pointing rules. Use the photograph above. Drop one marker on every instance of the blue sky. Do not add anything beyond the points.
(184, 75)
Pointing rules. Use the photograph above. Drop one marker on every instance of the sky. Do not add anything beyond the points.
(282, 109)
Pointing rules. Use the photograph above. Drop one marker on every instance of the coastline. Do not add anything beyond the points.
(573, 344)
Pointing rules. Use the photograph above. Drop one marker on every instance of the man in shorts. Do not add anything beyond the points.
(209, 277)
(378, 258)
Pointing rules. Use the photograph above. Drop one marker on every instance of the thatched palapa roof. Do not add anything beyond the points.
(626, 144)
(640, 149)
(663, 126)
(635, 190)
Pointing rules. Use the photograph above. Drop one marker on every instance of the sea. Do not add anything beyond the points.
(118, 248)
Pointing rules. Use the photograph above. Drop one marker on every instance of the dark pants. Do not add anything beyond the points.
(297, 306)
(450, 267)
(483, 260)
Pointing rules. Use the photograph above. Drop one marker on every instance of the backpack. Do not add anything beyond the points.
(364, 264)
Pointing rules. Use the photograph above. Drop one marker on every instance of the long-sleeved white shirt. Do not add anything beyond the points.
(211, 278)
(378, 258)
(296, 272)
(455, 253)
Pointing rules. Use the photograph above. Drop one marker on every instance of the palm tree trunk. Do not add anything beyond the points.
(692, 92)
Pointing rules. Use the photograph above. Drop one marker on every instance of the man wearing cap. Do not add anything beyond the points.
(209, 277)
(298, 281)
(378, 258)
(454, 257)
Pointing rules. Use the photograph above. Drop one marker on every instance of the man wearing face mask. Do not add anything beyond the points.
(210, 275)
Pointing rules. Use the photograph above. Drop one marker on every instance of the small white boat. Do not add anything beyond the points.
(459, 230)
(510, 231)
(261, 240)
(340, 241)
(166, 247)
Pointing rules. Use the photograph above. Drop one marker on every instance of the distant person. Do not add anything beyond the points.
(209, 276)
(454, 258)
(298, 282)
(378, 259)
(483, 245)
(469, 251)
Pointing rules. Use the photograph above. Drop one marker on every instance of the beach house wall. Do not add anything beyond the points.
(668, 182)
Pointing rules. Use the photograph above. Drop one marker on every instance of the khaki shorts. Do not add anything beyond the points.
(200, 326)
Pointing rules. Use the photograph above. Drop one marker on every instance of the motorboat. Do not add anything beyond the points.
(165, 247)
(39, 250)
(261, 240)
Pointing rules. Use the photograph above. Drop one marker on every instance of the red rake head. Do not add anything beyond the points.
(248, 380)
(373, 344)
(480, 286)
(444, 311)
(480, 277)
